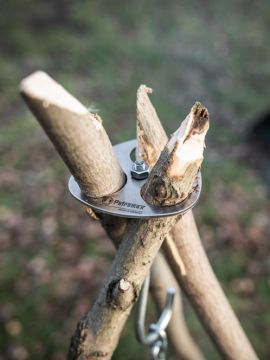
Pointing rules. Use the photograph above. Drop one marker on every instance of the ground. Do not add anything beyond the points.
(52, 257)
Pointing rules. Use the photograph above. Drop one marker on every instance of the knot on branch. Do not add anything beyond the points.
(162, 192)
(121, 294)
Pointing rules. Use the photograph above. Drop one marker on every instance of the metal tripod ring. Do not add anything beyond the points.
(127, 202)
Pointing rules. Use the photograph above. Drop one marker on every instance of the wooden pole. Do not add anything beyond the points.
(162, 277)
(98, 333)
(206, 295)
(184, 155)
(113, 305)
(187, 257)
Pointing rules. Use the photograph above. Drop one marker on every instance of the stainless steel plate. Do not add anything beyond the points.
(128, 202)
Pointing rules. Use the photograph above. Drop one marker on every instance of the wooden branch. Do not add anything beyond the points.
(206, 295)
(78, 135)
(184, 154)
(162, 277)
(57, 112)
(98, 334)
(198, 280)
(179, 337)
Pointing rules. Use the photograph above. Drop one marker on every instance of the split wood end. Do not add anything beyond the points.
(187, 143)
(172, 178)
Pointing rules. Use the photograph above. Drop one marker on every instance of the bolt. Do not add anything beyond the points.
(139, 165)
(140, 170)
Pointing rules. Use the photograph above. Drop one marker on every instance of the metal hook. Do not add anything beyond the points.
(156, 337)
(158, 349)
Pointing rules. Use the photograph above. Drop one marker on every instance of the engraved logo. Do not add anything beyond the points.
(122, 205)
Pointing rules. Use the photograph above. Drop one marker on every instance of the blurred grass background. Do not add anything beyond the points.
(52, 258)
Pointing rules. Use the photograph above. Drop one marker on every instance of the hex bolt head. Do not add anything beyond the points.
(140, 170)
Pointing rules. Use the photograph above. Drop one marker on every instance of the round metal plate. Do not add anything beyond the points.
(127, 202)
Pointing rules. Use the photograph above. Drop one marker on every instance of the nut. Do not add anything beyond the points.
(139, 170)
